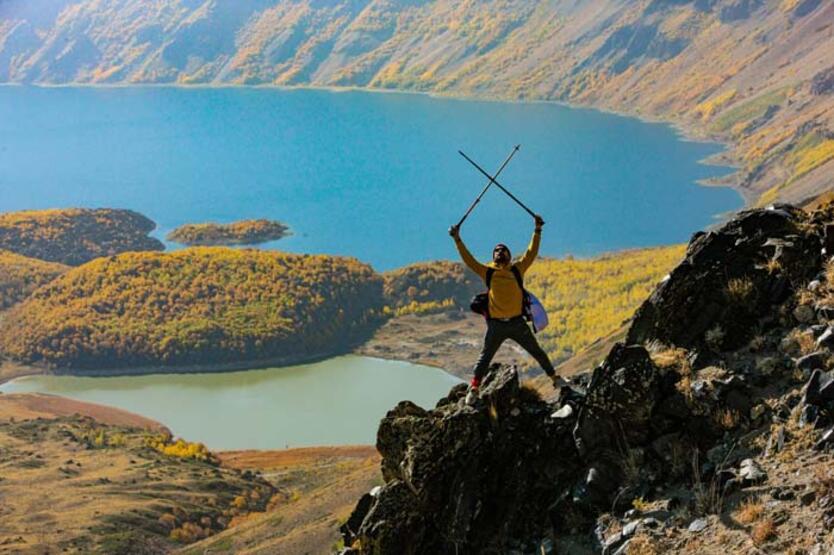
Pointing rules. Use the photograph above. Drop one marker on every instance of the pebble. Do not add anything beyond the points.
(808, 497)
(563, 412)
(698, 525)
(767, 365)
(804, 313)
(751, 472)
(826, 339)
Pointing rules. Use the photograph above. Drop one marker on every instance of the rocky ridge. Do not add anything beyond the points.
(678, 430)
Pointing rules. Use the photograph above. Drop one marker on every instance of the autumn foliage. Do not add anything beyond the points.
(76, 235)
(245, 232)
(202, 305)
(21, 275)
(429, 287)
(590, 298)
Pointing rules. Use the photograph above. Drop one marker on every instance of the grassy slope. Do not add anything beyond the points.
(741, 71)
(75, 485)
(321, 487)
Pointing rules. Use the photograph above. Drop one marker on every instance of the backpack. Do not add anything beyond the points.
(531, 307)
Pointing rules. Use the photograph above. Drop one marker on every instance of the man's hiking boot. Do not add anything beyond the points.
(559, 382)
(472, 396)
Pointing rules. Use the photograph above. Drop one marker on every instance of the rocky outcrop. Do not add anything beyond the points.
(823, 82)
(709, 371)
(467, 479)
(729, 279)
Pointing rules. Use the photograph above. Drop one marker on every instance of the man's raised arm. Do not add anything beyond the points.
(532, 250)
(465, 255)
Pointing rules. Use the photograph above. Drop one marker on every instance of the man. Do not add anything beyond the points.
(506, 320)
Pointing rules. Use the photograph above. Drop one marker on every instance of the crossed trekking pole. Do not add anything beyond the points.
(492, 179)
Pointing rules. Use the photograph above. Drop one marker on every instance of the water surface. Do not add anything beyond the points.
(376, 176)
(336, 402)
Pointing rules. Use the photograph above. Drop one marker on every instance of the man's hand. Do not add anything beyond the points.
(539, 222)
(454, 231)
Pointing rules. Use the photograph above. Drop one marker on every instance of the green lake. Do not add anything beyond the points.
(338, 401)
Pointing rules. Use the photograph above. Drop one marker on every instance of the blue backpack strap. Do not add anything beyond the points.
(488, 277)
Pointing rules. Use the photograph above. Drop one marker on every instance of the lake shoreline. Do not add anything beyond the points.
(340, 401)
(687, 132)
(241, 366)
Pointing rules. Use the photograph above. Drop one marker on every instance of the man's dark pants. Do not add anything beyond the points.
(517, 329)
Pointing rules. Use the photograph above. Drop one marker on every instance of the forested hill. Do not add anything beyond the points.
(756, 72)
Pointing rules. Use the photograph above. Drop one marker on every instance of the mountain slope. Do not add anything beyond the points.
(694, 435)
(756, 72)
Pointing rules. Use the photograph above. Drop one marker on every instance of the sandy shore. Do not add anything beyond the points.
(28, 406)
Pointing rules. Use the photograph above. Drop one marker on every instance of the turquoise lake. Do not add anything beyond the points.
(335, 402)
(375, 176)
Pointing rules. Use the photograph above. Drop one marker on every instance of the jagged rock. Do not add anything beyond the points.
(564, 412)
(750, 472)
(825, 313)
(826, 339)
(767, 365)
(808, 497)
(804, 314)
(619, 403)
(820, 389)
(351, 527)
(811, 361)
(468, 476)
(826, 440)
(723, 283)
(698, 525)
(823, 83)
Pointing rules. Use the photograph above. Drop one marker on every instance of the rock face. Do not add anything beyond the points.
(729, 279)
(472, 479)
(711, 362)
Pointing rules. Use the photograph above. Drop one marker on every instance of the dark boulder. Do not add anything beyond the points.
(730, 279)
(463, 479)
(823, 82)
(506, 471)
(619, 405)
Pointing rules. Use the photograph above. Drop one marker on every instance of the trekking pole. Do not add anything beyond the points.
(492, 180)
(477, 200)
